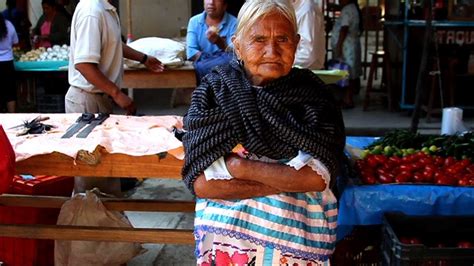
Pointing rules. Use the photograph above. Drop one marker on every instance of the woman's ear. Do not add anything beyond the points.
(297, 39)
(236, 46)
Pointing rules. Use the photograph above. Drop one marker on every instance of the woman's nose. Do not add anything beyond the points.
(272, 49)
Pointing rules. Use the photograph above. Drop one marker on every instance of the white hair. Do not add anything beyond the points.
(253, 10)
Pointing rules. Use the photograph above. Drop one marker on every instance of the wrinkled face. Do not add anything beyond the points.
(267, 49)
(215, 8)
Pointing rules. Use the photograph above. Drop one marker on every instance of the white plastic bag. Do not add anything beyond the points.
(168, 51)
(88, 210)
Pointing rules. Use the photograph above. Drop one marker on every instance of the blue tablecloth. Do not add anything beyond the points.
(365, 204)
(42, 66)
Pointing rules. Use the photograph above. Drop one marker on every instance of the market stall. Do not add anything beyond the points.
(364, 204)
(122, 146)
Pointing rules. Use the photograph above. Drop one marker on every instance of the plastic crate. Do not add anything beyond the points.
(50, 103)
(29, 252)
(438, 237)
(360, 248)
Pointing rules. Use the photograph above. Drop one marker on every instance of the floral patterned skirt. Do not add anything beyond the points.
(223, 250)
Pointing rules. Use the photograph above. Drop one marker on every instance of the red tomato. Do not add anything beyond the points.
(403, 177)
(380, 158)
(470, 168)
(408, 159)
(463, 182)
(371, 161)
(464, 163)
(431, 167)
(454, 169)
(428, 173)
(385, 178)
(465, 244)
(368, 179)
(406, 167)
(438, 160)
(418, 166)
(426, 160)
(410, 240)
(418, 177)
(389, 164)
(449, 161)
(444, 180)
(395, 159)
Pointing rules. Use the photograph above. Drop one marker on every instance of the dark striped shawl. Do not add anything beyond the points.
(295, 112)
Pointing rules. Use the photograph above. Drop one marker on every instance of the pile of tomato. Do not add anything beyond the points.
(419, 167)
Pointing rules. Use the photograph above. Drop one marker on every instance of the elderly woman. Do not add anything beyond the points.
(263, 141)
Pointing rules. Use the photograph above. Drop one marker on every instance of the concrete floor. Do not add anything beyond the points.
(158, 102)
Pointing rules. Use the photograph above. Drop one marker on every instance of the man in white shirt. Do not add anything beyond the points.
(96, 70)
(311, 49)
(96, 60)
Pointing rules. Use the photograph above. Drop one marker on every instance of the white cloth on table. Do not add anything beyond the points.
(131, 135)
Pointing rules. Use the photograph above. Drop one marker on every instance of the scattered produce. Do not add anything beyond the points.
(404, 157)
(418, 167)
(55, 53)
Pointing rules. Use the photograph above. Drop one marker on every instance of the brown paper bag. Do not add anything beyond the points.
(88, 210)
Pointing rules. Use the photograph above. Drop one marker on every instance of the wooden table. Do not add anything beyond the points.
(172, 78)
(110, 165)
(100, 163)
(179, 77)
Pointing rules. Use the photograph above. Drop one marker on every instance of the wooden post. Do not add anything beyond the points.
(129, 21)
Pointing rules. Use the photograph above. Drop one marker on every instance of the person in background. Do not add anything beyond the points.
(311, 50)
(209, 35)
(96, 70)
(345, 43)
(52, 27)
(8, 38)
(62, 7)
(20, 22)
(262, 142)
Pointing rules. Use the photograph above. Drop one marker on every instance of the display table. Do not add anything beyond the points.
(365, 204)
(122, 146)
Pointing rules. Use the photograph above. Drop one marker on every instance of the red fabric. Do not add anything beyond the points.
(7, 162)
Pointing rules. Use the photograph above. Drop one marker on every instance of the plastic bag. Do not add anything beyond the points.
(170, 52)
(7, 162)
(88, 210)
(335, 64)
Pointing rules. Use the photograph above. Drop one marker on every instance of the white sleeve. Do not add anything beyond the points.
(347, 16)
(303, 159)
(305, 51)
(218, 171)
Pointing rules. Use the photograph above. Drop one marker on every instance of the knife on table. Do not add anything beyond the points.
(82, 121)
(101, 117)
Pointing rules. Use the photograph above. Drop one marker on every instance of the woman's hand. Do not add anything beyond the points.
(279, 176)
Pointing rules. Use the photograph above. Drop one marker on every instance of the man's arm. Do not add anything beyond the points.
(192, 45)
(340, 42)
(149, 61)
(91, 73)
